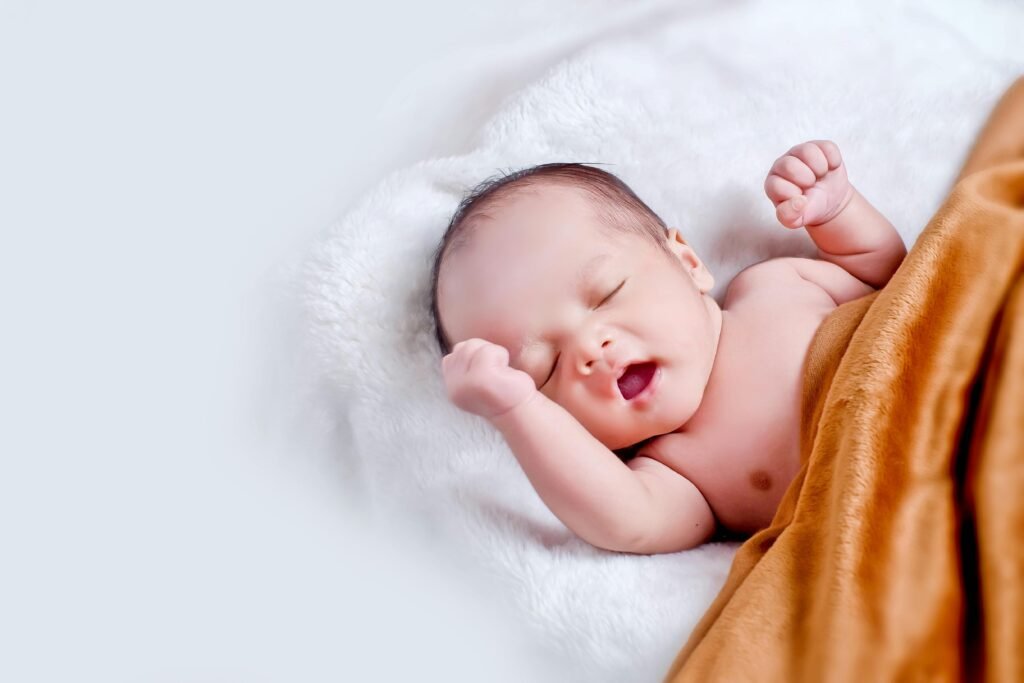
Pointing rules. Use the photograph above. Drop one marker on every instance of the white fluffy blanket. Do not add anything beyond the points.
(690, 111)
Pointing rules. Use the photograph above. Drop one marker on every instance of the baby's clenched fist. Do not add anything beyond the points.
(480, 381)
(808, 184)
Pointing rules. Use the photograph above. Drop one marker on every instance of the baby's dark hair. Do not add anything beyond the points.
(617, 206)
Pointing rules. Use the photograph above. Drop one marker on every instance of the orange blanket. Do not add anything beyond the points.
(898, 552)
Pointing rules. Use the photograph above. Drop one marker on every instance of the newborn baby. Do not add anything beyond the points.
(578, 324)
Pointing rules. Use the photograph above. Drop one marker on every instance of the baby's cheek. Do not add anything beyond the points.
(573, 407)
(601, 424)
(596, 419)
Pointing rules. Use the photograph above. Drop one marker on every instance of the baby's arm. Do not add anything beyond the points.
(810, 188)
(605, 502)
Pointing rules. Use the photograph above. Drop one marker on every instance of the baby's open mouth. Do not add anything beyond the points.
(636, 378)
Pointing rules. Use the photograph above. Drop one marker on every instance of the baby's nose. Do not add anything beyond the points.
(595, 358)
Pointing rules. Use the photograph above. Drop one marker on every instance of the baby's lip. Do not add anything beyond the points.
(635, 377)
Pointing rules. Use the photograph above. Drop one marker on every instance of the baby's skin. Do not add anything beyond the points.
(573, 341)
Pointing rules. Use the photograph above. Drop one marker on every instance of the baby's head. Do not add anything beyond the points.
(594, 297)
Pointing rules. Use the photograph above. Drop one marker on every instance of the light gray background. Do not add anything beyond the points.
(159, 162)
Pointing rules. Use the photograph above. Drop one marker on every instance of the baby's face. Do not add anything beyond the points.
(607, 325)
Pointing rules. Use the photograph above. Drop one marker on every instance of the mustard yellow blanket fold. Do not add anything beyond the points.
(898, 552)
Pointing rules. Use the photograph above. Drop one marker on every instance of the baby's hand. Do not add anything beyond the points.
(480, 381)
(808, 185)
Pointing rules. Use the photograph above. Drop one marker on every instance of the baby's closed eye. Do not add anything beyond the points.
(607, 298)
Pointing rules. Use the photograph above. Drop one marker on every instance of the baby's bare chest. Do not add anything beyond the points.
(742, 449)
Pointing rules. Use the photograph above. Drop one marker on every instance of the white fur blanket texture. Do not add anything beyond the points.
(690, 112)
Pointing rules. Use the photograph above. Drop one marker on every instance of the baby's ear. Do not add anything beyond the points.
(694, 266)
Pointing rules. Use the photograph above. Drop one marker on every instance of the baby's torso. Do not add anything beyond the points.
(742, 447)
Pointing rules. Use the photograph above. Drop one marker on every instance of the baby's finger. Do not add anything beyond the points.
(791, 213)
(817, 206)
(779, 189)
(813, 156)
(461, 354)
(490, 355)
(469, 346)
(453, 365)
(831, 152)
(795, 171)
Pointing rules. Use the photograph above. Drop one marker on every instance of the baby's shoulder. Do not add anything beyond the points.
(777, 279)
(757, 278)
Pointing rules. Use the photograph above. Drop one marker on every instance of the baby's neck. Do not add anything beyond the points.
(722, 321)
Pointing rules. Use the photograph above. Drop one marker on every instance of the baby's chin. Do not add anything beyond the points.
(625, 436)
(626, 439)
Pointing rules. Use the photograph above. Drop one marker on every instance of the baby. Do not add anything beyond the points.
(578, 324)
